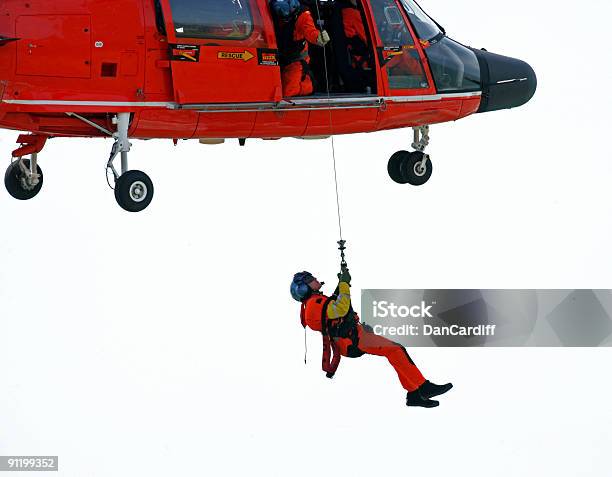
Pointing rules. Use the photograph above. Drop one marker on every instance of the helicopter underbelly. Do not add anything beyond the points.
(303, 117)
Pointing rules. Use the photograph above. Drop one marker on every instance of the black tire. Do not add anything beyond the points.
(134, 191)
(412, 171)
(394, 166)
(14, 181)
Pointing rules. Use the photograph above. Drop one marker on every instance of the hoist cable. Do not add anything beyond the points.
(331, 125)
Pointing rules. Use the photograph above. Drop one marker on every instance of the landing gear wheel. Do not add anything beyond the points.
(394, 166)
(134, 191)
(17, 183)
(416, 168)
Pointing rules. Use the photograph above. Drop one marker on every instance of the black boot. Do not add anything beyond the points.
(429, 390)
(414, 399)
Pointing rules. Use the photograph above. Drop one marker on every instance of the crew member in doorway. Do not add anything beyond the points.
(295, 30)
(361, 76)
(344, 335)
(355, 33)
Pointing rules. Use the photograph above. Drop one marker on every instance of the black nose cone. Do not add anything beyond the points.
(506, 82)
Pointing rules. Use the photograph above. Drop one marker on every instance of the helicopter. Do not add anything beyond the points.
(209, 70)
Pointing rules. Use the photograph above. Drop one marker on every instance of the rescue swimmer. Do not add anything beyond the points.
(344, 335)
(295, 30)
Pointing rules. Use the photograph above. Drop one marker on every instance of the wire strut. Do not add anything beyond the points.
(341, 242)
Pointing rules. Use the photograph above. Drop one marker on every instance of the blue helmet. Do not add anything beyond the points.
(299, 286)
(285, 9)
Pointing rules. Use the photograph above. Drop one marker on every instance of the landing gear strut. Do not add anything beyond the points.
(414, 168)
(133, 189)
(24, 177)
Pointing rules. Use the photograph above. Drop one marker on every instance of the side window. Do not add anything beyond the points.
(399, 55)
(223, 19)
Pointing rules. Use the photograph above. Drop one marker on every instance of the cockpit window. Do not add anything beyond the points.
(425, 27)
(454, 67)
(226, 19)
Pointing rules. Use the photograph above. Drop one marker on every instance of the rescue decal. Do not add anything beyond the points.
(233, 55)
(267, 57)
(185, 53)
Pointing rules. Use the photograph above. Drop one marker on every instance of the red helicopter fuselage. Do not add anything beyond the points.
(95, 58)
(212, 69)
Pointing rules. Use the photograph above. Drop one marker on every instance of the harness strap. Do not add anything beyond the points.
(341, 328)
(324, 321)
(331, 357)
(306, 71)
(331, 353)
(286, 60)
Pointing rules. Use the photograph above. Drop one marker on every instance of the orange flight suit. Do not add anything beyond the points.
(354, 30)
(344, 334)
(370, 343)
(295, 77)
(353, 24)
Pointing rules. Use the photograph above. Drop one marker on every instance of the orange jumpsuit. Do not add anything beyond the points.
(370, 343)
(353, 24)
(367, 342)
(354, 30)
(296, 80)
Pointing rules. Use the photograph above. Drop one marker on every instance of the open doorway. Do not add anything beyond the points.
(350, 56)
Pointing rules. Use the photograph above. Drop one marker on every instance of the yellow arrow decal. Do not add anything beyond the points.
(229, 55)
(190, 57)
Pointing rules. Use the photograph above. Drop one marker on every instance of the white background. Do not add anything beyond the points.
(166, 343)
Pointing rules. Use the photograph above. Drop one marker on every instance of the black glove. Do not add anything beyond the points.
(345, 276)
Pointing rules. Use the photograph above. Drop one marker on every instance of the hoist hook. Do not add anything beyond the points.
(342, 248)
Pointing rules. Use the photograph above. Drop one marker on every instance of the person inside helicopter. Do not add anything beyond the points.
(295, 31)
(346, 65)
(360, 75)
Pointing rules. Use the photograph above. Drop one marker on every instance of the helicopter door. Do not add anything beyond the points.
(400, 57)
(221, 52)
